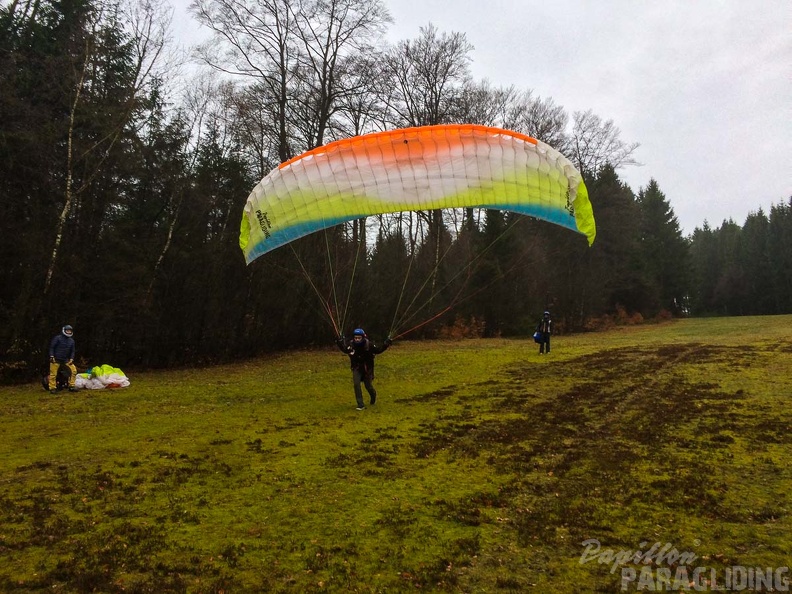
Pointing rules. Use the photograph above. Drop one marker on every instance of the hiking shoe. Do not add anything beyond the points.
(360, 408)
(372, 403)
(53, 391)
(73, 389)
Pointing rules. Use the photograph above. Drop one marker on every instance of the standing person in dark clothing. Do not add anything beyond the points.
(61, 352)
(545, 328)
(361, 353)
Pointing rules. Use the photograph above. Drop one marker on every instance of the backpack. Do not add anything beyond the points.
(61, 379)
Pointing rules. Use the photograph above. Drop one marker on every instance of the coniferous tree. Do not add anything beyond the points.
(490, 274)
(779, 246)
(73, 85)
(743, 270)
(755, 265)
(136, 238)
(614, 272)
(704, 262)
(664, 252)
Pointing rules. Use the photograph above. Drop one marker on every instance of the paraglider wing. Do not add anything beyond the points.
(425, 168)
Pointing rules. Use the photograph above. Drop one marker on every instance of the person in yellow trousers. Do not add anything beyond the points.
(61, 352)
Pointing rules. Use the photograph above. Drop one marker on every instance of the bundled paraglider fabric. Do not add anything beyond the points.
(101, 377)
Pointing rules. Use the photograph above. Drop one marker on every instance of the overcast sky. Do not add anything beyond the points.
(705, 86)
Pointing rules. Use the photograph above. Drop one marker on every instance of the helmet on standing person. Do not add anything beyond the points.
(68, 330)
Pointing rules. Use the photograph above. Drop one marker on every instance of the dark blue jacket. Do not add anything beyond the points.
(545, 326)
(62, 348)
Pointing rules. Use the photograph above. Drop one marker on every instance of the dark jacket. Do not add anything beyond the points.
(545, 326)
(361, 356)
(62, 348)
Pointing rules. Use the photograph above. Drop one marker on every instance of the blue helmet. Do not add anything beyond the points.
(359, 332)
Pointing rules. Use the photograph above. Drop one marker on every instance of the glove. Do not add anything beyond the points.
(340, 341)
(388, 341)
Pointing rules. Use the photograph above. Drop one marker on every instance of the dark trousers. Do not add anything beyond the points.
(358, 377)
(545, 341)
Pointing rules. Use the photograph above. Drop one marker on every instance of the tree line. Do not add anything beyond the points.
(123, 180)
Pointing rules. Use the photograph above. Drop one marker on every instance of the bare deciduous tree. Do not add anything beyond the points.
(426, 74)
(481, 103)
(297, 54)
(360, 108)
(539, 118)
(332, 33)
(255, 40)
(595, 143)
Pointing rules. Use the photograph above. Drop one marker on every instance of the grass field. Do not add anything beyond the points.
(483, 468)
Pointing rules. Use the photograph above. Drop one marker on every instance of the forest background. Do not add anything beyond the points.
(123, 176)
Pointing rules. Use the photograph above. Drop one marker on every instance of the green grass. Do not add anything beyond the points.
(482, 468)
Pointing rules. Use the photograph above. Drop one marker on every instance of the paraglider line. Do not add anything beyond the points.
(351, 282)
(325, 303)
(405, 318)
(401, 293)
(332, 278)
(434, 317)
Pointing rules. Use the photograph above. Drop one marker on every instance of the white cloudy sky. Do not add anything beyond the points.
(705, 86)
